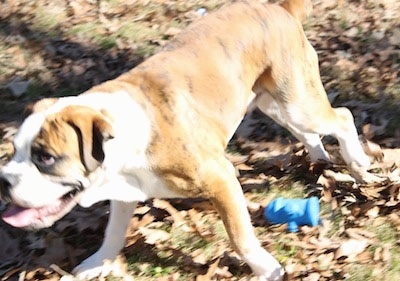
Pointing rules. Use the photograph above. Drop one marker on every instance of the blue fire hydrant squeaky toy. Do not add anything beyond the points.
(294, 212)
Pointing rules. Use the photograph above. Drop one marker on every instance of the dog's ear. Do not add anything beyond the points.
(38, 106)
(300, 9)
(93, 129)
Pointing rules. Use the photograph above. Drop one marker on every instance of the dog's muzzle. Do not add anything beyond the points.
(40, 216)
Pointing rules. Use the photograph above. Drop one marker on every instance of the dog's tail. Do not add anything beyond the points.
(300, 9)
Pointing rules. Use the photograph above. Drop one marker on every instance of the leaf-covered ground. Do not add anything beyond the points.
(56, 48)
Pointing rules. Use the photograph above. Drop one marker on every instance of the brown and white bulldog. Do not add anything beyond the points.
(161, 129)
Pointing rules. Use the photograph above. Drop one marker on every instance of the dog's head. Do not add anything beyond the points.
(57, 149)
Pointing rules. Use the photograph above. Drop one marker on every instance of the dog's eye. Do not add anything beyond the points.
(43, 158)
(46, 159)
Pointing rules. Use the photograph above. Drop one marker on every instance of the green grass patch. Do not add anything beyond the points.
(150, 263)
(158, 261)
(284, 250)
(48, 18)
(385, 232)
(360, 272)
(137, 32)
(93, 30)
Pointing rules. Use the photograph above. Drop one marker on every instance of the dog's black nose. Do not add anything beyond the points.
(5, 186)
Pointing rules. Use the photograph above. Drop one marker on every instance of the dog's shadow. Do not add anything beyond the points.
(49, 252)
(30, 255)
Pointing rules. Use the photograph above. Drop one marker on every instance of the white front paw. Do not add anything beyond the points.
(264, 265)
(94, 266)
(276, 275)
(275, 272)
(361, 174)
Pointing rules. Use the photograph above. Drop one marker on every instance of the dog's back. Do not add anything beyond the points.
(300, 9)
(218, 59)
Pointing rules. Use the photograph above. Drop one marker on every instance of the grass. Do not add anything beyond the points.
(47, 18)
(388, 237)
(288, 188)
(155, 261)
(284, 250)
(359, 272)
(160, 265)
(137, 32)
(89, 30)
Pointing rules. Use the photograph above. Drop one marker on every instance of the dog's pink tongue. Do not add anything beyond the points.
(20, 217)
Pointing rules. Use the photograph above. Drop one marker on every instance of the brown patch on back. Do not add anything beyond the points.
(198, 88)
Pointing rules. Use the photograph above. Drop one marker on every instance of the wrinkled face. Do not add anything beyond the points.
(54, 157)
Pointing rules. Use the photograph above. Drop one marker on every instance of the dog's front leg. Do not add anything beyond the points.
(227, 197)
(114, 240)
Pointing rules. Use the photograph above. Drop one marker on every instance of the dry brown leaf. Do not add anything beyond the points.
(314, 276)
(373, 149)
(329, 185)
(80, 7)
(237, 159)
(364, 257)
(373, 212)
(141, 210)
(244, 167)
(19, 59)
(370, 130)
(351, 248)
(253, 182)
(372, 192)
(394, 218)
(386, 254)
(178, 217)
(197, 219)
(223, 272)
(369, 209)
(337, 176)
(292, 267)
(378, 254)
(324, 243)
(358, 233)
(213, 267)
(153, 236)
(199, 256)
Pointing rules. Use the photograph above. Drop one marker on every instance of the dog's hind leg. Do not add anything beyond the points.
(311, 141)
(292, 93)
(226, 194)
(307, 124)
(114, 240)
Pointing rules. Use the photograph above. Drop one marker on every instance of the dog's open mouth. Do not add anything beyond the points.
(40, 217)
